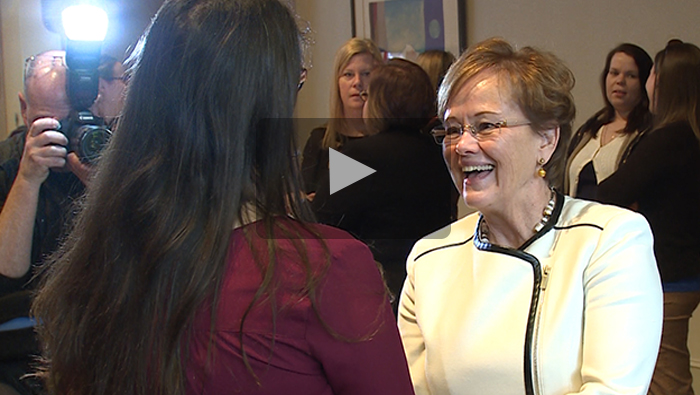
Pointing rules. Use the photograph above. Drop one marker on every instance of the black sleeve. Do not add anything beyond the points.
(314, 160)
(341, 208)
(653, 162)
(10, 155)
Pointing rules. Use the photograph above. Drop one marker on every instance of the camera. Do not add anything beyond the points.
(87, 134)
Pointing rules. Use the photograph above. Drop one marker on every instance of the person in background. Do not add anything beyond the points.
(39, 181)
(110, 98)
(352, 67)
(661, 179)
(435, 63)
(410, 194)
(536, 293)
(598, 146)
(199, 271)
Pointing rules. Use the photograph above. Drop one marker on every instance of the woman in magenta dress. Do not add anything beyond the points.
(192, 267)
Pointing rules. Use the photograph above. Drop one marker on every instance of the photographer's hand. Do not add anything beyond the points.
(81, 170)
(44, 149)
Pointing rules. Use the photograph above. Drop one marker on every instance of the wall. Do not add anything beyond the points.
(580, 32)
(330, 23)
(23, 34)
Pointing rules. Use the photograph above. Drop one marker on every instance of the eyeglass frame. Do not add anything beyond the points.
(123, 78)
(440, 133)
(32, 63)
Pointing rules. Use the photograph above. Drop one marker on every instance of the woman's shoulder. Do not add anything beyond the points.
(670, 140)
(453, 235)
(341, 245)
(325, 249)
(318, 132)
(316, 135)
(352, 274)
(680, 129)
(593, 124)
(604, 217)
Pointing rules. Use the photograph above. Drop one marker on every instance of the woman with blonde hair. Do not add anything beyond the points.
(353, 64)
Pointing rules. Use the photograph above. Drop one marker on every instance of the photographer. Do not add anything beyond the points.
(39, 180)
(110, 99)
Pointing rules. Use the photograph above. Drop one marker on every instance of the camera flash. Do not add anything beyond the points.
(85, 22)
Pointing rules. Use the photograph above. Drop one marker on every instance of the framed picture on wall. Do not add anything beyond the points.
(405, 28)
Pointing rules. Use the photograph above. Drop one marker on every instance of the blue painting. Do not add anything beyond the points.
(404, 25)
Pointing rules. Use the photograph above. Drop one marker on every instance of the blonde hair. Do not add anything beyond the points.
(333, 137)
(435, 63)
(677, 85)
(540, 84)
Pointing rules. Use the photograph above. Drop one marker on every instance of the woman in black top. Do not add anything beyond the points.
(411, 193)
(352, 66)
(598, 145)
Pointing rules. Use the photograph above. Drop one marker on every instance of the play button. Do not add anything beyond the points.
(345, 171)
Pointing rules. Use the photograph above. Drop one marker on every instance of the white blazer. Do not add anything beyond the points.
(578, 310)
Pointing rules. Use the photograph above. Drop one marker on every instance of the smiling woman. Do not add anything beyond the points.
(530, 294)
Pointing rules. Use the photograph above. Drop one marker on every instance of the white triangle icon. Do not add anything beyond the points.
(345, 170)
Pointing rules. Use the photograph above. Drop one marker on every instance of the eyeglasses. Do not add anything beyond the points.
(364, 95)
(450, 134)
(123, 79)
(34, 63)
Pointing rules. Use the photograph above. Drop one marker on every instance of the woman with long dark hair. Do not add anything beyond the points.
(193, 267)
(597, 147)
(661, 179)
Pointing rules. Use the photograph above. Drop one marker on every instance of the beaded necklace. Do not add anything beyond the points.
(483, 230)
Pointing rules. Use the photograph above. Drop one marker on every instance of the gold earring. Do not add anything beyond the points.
(541, 171)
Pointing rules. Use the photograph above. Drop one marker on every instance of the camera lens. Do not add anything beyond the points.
(91, 141)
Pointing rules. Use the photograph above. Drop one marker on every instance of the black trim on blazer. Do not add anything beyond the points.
(441, 247)
(577, 226)
(534, 301)
(537, 281)
(537, 274)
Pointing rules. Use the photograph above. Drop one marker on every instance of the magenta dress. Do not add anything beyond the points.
(361, 353)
